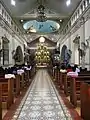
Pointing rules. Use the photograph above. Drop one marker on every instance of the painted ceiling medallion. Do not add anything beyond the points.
(48, 26)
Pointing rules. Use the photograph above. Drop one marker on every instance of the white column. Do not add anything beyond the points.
(2, 51)
(89, 52)
(86, 3)
(13, 47)
(82, 39)
(89, 1)
(80, 10)
(70, 40)
(83, 7)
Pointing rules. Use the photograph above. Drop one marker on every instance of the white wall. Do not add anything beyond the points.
(14, 41)
(67, 40)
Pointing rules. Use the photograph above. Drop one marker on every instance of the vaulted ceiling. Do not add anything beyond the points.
(56, 6)
(54, 10)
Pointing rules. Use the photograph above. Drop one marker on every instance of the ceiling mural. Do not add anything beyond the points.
(48, 26)
(41, 16)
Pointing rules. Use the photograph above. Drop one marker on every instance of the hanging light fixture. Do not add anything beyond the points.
(41, 17)
(41, 39)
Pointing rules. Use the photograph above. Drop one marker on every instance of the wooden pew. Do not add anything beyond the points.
(66, 81)
(22, 81)
(56, 75)
(66, 84)
(28, 74)
(17, 84)
(75, 84)
(84, 73)
(7, 90)
(85, 101)
(27, 77)
(58, 78)
(0, 102)
(33, 71)
(50, 70)
(53, 73)
(61, 80)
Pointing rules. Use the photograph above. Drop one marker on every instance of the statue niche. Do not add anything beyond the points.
(65, 54)
(84, 45)
(18, 56)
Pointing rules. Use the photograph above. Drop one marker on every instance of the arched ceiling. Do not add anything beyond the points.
(56, 6)
(27, 10)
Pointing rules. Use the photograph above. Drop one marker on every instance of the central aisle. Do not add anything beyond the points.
(42, 101)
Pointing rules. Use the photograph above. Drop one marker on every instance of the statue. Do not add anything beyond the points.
(69, 53)
(18, 55)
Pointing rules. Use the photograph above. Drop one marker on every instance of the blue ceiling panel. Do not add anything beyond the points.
(48, 26)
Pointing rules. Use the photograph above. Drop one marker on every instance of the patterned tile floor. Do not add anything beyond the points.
(42, 101)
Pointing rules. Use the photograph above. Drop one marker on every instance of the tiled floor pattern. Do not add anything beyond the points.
(41, 101)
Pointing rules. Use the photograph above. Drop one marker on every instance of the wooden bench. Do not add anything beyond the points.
(22, 85)
(84, 73)
(85, 101)
(66, 84)
(27, 77)
(33, 71)
(7, 90)
(53, 73)
(63, 81)
(17, 85)
(75, 84)
(66, 81)
(56, 75)
(50, 70)
(0, 102)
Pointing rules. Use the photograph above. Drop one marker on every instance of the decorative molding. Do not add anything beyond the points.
(85, 16)
(8, 28)
(7, 25)
(34, 48)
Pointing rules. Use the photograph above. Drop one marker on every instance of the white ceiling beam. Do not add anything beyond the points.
(34, 48)
(50, 16)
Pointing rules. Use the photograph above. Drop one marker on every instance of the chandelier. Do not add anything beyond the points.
(41, 39)
(41, 17)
